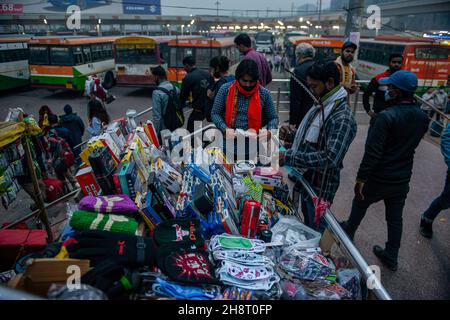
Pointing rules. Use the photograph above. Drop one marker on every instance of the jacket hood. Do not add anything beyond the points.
(69, 117)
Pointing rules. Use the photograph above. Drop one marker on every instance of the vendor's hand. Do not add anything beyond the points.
(359, 186)
(293, 127)
(210, 94)
(372, 114)
(265, 134)
(230, 133)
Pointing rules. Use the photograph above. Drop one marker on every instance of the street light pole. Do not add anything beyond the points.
(217, 4)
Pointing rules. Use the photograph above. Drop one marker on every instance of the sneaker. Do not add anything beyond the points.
(390, 263)
(426, 228)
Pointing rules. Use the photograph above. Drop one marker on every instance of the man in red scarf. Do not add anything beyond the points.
(244, 104)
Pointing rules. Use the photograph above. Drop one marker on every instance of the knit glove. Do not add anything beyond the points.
(127, 250)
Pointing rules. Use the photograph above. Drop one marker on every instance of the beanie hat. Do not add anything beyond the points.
(184, 264)
(349, 44)
(85, 220)
(179, 231)
(119, 204)
(67, 109)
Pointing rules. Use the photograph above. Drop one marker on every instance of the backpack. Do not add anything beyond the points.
(173, 117)
(63, 157)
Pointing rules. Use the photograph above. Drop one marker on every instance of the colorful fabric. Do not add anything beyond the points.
(84, 220)
(120, 203)
(254, 107)
(255, 190)
(179, 231)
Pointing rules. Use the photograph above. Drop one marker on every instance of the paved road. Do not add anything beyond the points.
(424, 264)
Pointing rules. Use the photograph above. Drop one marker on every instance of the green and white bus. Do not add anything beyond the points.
(65, 63)
(13, 63)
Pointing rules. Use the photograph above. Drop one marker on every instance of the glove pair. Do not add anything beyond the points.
(124, 249)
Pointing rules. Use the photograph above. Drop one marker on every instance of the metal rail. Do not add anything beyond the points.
(353, 253)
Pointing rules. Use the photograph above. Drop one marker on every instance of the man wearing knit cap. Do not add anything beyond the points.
(348, 73)
(72, 122)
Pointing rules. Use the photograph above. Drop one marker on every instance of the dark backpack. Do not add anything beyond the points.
(173, 117)
(63, 157)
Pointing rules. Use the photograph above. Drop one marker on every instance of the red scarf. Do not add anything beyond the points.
(254, 106)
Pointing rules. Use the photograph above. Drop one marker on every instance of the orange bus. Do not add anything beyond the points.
(427, 58)
(65, 63)
(203, 49)
(326, 48)
(134, 57)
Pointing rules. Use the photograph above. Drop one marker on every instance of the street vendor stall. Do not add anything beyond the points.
(148, 228)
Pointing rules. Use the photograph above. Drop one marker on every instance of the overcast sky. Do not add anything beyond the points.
(234, 4)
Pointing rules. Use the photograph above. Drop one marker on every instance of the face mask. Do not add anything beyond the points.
(387, 96)
(246, 88)
(247, 273)
(264, 285)
(242, 257)
(229, 242)
(441, 91)
(169, 289)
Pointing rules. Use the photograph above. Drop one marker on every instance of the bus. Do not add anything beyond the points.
(65, 63)
(203, 50)
(427, 58)
(264, 41)
(135, 56)
(14, 63)
(326, 48)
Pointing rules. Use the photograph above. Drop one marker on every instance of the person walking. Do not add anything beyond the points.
(440, 99)
(379, 101)
(428, 97)
(160, 98)
(72, 122)
(386, 167)
(244, 45)
(277, 60)
(443, 201)
(219, 71)
(346, 70)
(300, 100)
(195, 84)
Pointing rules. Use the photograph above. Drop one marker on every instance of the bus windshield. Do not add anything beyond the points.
(264, 37)
(428, 53)
(138, 54)
(39, 55)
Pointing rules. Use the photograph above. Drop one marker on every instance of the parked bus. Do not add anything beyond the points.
(326, 48)
(65, 63)
(136, 55)
(203, 50)
(427, 58)
(264, 41)
(13, 63)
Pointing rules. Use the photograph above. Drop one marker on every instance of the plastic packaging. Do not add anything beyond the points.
(289, 231)
(83, 292)
(350, 279)
(293, 291)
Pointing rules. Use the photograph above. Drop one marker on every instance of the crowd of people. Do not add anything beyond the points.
(319, 132)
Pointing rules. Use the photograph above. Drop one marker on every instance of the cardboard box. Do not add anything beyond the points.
(42, 273)
(88, 183)
(114, 129)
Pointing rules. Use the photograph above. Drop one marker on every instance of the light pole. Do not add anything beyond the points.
(182, 29)
(168, 28)
(99, 27)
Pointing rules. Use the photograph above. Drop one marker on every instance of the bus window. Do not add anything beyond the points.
(87, 54)
(39, 55)
(61, 56)
(97, 52)
(164, 51)
(145, 55)
(107, 51)
(125, 53)
(204, 55)
(78, 55)
(427, 53)
(177, 55)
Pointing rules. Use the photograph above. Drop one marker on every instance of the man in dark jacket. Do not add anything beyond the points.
(72, 122)
(386, 168)
(61, 131)
(379, 103)
(196, 84)
(301, 101)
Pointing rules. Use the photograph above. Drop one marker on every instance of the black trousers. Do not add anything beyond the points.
(394, 197)
(196, 115)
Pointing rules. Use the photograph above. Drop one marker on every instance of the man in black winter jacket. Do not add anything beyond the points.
(195, 85)
(386, 168)
(301, 101)
(72, 122)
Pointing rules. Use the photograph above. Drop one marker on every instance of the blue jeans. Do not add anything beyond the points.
(308, 215)
(440, 203)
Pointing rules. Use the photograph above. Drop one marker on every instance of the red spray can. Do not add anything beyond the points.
(250, 218)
